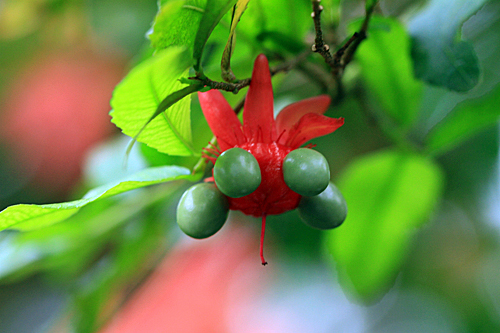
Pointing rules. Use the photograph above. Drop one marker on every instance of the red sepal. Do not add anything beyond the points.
(310, 126)
(221, 119)
(258, 117)
(291, 114)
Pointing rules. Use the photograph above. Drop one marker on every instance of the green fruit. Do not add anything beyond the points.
(202, 210)
(306, 171)
(237, 173)
(324, 211)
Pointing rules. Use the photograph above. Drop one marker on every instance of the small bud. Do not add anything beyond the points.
(326, 47)
(320, 8)
(313, 14)
(313, 48)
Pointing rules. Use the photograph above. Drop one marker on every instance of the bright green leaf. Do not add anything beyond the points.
(138, 98)
(214, 11)
(64, 249)
(239, 9)
(439, 58)
(387, 69)
(176, 23)
(28, 216)
(389, 194)
(468, 118)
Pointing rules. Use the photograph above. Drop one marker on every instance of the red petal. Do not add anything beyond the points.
(310, 126)
(292, 113)
(258, 117)
(221, 119)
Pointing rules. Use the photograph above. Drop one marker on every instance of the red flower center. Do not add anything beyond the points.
(272, 196)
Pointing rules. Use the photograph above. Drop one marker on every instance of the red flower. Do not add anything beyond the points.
(267, 139)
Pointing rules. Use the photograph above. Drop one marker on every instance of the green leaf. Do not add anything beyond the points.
(141, 96)
(214, 11)
(389, 194)
(466, 119)
(453, 65)
(28, 216)
(136, 249)
(176, 23)
(64, 250)
(274, 24)
(387, 69)
(439, 57)
(238, 10)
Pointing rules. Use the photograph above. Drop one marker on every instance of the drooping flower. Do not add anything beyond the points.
(269, 140)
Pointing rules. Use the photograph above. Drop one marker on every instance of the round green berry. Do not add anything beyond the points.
(202, 210)
(326, 210)
(306, 171)
(237, 173)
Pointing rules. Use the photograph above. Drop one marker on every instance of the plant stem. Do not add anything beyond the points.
(319, 46)
(345, 53)
(237, 86)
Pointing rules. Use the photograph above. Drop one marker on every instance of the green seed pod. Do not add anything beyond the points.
(326, 210)
(202, 210)
(237, 173)
(306, 171)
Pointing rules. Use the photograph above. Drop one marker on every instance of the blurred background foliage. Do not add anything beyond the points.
(417, 161)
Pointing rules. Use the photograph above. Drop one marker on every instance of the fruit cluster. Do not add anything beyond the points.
(204, 207)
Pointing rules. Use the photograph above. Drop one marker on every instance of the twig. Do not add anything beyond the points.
(236, 87)
(343, 56)
(238, 107)
(341, 51)
(317, 74)
(290, 64)
(226, 86)
(319, 45)
(360, 36)
(345, 53)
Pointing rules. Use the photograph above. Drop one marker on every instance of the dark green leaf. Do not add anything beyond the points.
(439, 58)
(142, 95)
(451, 65)
(389, 194)
(286, 22)
(282, 41)
(387, 69)
(27, 216)
(467, 119)
(214, 11)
